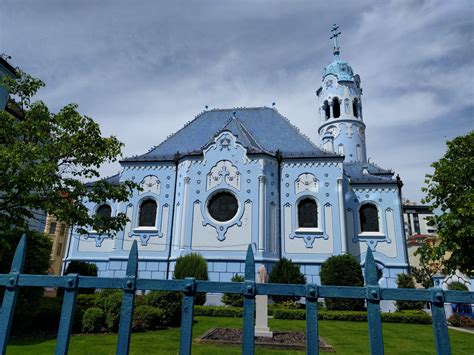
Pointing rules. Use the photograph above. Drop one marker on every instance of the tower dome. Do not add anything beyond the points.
(342, 129)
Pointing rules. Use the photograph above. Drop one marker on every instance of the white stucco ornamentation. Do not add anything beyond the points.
(306, 182)
(223, 172)
(150, 183)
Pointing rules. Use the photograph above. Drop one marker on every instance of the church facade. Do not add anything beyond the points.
(240, 176)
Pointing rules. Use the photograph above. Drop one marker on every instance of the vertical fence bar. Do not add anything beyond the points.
(373, 305)
(249, 291)
(67, 315)
(126, 312)
(11, 294)
(440, 327)
(187, 311)
(312, 336)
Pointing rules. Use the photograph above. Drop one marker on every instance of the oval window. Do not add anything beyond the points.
(223, 206)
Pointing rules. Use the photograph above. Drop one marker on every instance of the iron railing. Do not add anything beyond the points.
(249, 288)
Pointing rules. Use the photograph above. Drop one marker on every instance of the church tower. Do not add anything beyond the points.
(341, 129)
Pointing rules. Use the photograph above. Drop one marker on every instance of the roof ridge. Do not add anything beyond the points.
(246, 131)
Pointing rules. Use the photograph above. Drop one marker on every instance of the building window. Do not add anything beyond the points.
(355, 108)
(307, 213)
(347, 106)
(59, 249)
(62, 230)
(369, 219)
(327, 112)
(147, 215)
(52, 228)
(104, 211)
(341, 149)
(358, 153)
(336, 108)
(223, 206)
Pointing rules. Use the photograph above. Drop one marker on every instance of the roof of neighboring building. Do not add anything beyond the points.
(419, 208)
(8, 67)
(359, 172)
(260, 130)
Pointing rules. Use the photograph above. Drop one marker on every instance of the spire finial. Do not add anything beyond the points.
(335, 33)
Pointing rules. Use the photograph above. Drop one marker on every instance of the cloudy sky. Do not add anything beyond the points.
(144, 68)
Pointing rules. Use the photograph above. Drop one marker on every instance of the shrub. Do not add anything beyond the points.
(110, 301)
(147, 317)
(457, 286)
(461, 321)
(406, 281)
(342, 270)
(211, 311)
(169, 303)
(82, 268)
(234, 299)
(93, 320)
(192, 265)
(286, 272)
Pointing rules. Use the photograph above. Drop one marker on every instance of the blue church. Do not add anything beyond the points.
(240, 176)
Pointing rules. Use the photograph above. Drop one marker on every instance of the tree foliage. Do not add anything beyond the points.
(45, 159)
(192, 265)
(450, 189)
(342, 270)
(286, 272)
(406, 281)
(431, 263)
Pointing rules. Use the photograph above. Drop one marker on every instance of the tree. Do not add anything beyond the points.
(286, 272)
(192, 265)
(450, 189)
(431, 263)
(342, 270)
(45, 158)
(234, 299)
(406, 281)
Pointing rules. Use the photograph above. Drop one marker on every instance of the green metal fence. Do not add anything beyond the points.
(130, 284)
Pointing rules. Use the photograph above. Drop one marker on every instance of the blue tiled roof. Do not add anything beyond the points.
(260, 130)
(368, 173)
(114, 180)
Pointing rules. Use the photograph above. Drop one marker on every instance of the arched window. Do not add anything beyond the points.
(104, 211)
(355, 108)
(327, 112)
(358, 152)
(307, 213)
(347, 106)
(369, 218)
(336, 108)
(147, 215)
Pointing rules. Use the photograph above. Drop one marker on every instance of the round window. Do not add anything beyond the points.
(223, 206)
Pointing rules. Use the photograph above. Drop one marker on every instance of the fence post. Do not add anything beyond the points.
(67, 315)
(440, 327)
(11, 294)
(373, 305)
(249, 291)
(126, 312)
(312, 336)
(186, 337)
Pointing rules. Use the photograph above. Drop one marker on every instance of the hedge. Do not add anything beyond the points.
(216, 311)
(415, 317)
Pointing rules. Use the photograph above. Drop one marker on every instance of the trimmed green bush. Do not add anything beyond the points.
(457, 286)
(234, 299)
(147, 318)
(192, 265)
(169, 303)
(93, 320)
(82, 268)
(342, 270)
(414, 317)
(406, 281)
(210, 311)
(286, 272)
(111, 302)
(461, 321)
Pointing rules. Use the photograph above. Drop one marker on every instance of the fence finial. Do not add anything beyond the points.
(19, 258)
(249, 264)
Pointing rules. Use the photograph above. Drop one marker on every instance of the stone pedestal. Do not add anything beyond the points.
(261, 321)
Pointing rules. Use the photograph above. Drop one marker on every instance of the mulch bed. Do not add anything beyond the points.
(280, 340)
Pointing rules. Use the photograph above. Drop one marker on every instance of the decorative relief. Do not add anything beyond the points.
(361, 133)
(350, 130)
(224, 172)
(333, 131)
(150, 183)
(222, 227)
(306, 182)
(98, 238)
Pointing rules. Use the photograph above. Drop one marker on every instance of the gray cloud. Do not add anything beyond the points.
(143, 70)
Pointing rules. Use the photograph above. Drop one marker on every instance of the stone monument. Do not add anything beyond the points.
(261, 321)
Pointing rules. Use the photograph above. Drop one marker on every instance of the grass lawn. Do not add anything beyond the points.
(345, 337)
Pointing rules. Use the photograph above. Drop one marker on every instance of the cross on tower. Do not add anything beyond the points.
(335, 33)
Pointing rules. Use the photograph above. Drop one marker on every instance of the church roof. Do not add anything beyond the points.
(113, 180)
(361, 173)
(260, 130)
